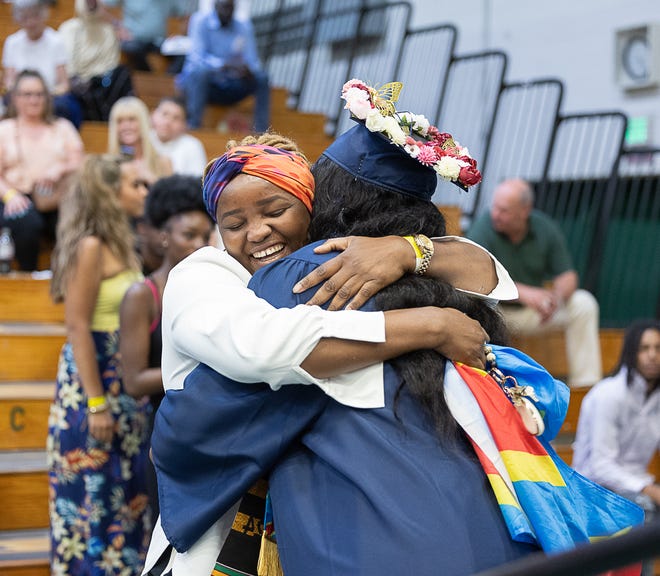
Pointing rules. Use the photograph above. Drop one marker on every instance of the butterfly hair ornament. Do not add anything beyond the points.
(413, 133)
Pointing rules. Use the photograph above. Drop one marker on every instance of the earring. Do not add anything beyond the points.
(165, 243)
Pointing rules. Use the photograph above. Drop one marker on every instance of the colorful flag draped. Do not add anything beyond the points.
(541, 498)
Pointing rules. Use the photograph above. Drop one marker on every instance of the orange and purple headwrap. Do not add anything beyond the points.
(285, 169)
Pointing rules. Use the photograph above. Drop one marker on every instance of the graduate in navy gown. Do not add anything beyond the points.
(397, 489)
(390, 490)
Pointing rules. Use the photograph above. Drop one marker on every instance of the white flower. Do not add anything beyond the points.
(394, 130)
(58, 569)
(57, 526)
(57, 417)
(72, 547)
(448, 168)
(111, 560)
(70, 395)
(421, 125)
(375, 121)
(412, 150)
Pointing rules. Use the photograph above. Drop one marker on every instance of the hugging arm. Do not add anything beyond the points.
(366, 265)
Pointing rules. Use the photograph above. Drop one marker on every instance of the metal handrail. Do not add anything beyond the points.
(637, 545)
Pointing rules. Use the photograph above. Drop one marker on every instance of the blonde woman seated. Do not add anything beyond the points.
(129, 130)
(38, 153)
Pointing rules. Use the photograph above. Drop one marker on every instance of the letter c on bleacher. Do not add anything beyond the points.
(16, 418)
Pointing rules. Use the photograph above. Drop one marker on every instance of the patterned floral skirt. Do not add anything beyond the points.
(99, 513)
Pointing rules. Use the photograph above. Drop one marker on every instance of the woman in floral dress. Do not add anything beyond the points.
(97, 437)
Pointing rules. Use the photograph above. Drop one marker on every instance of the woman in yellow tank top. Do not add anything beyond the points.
(97, 435)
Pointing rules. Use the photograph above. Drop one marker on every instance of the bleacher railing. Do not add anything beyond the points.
(628, 280)
(468, 111)
(580, 173)
(606, 200)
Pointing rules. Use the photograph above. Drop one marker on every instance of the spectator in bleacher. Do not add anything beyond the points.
(97, 434)
(223, 66)
(143, 26)
(533, 249)
(619, 425)
(97, 78)
(38, 153)
(129, 133)
(38, 47)
(186, 152)
(618, 430)
(175, 208)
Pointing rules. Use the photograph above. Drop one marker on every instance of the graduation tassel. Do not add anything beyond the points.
(269, 558)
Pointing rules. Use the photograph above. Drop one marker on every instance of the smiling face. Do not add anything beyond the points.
(259, 222)
(128, 131)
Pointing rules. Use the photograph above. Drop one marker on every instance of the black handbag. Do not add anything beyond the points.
(99, 94)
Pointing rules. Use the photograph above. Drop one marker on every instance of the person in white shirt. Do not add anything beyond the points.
(210, 317)
(38, 47)
(619, 425)
(186, 152)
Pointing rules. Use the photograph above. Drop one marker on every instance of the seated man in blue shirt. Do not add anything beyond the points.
(223, 66)
(143, 27)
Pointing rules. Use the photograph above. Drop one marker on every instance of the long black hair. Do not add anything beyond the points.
(344, 206)
(630, 349)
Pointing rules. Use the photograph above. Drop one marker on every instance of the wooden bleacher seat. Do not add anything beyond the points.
(31, 335)
(452, 216)
(549, 350)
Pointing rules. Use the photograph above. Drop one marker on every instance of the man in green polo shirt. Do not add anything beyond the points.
(533, 249)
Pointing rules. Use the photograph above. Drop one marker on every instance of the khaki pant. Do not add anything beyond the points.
(579, 320)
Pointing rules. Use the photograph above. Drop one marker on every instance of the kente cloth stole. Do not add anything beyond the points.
(240, 552)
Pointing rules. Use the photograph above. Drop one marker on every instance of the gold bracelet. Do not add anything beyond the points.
(9, 194)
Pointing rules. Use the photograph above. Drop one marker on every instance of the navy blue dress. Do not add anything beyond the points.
(366, 492)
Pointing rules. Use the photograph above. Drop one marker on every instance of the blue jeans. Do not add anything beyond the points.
(214, 86)
(67, 106)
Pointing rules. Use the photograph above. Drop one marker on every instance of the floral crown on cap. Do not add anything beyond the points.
(413, 133)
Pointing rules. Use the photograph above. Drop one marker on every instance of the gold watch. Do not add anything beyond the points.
(426, 247)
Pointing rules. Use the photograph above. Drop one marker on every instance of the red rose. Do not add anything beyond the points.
(469, 175)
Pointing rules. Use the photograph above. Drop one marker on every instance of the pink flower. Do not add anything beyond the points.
(427, 155)
(354, 83)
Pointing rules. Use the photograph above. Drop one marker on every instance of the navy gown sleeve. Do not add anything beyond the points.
(275, 282)
(215, 438)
